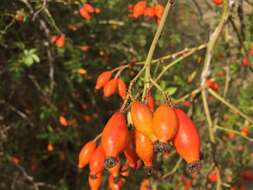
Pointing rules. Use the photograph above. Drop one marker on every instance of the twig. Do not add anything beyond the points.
(43, 6)
(174, 169)
(163, 58)
(206, 69)
(46, 98)
(241, 18)
(191, 94)
(232, 107)
(167, 67)
(97, 137)
(227, 80)
(129, 91)
(236, 132)
(153, 46)
(205, 73)
(18, 112)
(2, 32)
(198, 8)
(240, 39)
(29, 178)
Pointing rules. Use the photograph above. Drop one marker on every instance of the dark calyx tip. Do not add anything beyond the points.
(110, 162)
(161, 147)
(148, 170)
(194, 166)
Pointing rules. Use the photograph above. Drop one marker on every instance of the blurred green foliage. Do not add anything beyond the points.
(40, 82)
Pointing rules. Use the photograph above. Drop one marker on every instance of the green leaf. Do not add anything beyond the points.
(36, 58)
(171, 90)
(28, 61)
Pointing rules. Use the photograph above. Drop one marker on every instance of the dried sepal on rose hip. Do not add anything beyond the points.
(115, 170)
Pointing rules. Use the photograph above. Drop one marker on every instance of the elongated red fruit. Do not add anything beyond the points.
(122, 89)
(165, 123)
(144, 148)
(97, 161)
(110, 88)
(86, 153)
(114, 138)
(95, 181)
(142, 119)
(187, 140)
(115, 170)
(129, 151)
(103, 79)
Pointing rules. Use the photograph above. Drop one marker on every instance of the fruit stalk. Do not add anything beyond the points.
(153, 46)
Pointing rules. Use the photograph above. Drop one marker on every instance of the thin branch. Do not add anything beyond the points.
(240, 38)
(205, 73)
(231, 106)
(227, 81)
(149, 57)
(174, 169)
(173, 55)
(129, 91)
(153, 46)
(18, 112)
(43, 6)
(191, 94)
(29, 178)
(234, 131)
(167, 67)
(206, 69)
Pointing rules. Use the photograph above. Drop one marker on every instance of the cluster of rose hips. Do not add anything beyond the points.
(141, 9)
(87, 9)
(111, 86)
(154, 130)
